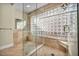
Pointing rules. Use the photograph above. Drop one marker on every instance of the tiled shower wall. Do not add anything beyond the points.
(53, 23)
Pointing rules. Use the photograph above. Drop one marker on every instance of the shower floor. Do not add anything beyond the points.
(47, 51)
(29, 46)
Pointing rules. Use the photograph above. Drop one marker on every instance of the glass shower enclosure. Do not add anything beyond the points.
(50, 30)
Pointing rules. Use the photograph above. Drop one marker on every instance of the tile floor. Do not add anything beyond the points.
(12, 51)
(47, 51)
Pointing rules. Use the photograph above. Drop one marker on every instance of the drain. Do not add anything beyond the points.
(52, 54)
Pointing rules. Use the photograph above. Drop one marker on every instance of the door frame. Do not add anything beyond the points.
(78, 26)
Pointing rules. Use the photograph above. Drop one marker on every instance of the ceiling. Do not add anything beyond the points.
(33, 6)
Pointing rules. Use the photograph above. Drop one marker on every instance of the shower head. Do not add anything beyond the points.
(64, 6)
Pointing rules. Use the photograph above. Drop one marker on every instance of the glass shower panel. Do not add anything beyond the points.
(48, 43)
(29, 42)
(72, 41)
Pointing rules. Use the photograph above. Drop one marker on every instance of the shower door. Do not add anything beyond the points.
(51, 30)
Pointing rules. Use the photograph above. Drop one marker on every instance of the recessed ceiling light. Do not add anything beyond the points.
(28, 6)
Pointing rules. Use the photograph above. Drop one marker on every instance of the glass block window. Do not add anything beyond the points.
(53, 22)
